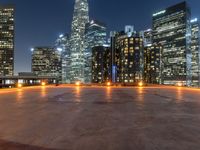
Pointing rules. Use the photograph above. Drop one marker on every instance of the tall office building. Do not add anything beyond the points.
(62, 45)
(172, 30)
(80, 18)
(101, 64)
(6, 40)
(46, 61)
(113, 38)
(127, 52)
(95, 35)
(195, 52)
(152, 64)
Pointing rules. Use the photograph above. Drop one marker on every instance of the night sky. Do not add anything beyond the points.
(39, 22)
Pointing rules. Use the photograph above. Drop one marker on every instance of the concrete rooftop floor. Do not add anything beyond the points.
(100, 118)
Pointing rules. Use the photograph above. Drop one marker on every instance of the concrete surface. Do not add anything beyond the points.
(100, 118)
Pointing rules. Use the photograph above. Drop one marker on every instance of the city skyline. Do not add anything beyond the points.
(42, 36)
(99, 74)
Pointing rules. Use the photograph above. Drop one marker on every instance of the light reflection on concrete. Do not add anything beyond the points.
(179, 94)
(19, 95)
(108, 94)
(140, 91)
(43, 91)
(78, 94)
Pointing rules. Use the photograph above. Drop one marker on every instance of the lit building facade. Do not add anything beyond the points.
(95, 35)
(62, 45)
(46, 61)
(127, 53)
(147, 37)
(80, 18)
(6, 40)
(33, 80)
(101, 64)
(195, 52)
(172, 30)
(152, 64)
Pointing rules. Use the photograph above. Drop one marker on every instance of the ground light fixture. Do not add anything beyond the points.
(78, 83)
(19, 85)
(43, 83)
(140, 84)
(108, 84)
(179, 84)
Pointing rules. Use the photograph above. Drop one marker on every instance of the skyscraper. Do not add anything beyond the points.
(172, 30)
(62, 44)
(127, 52)
(95, 35)
(195, 52)
(6, 40)
(80, 18)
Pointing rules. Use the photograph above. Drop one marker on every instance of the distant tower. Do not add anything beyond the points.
(95, 35)
(195, 49)
(129, 30)
(7, 40)
(62, 44)
(172, 30)
(80, 18)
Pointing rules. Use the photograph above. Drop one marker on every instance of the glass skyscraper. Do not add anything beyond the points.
(80, 18)
(95, 35)
(172, 30)
(62, 45)
(6, 40)
(195, 52)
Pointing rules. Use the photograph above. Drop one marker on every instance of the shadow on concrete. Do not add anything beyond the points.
(7, 145)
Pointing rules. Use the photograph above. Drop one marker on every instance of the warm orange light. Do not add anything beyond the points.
(19, 85)
(108, 83)
(140, 84)
(78, 83)
(179, 84)
(43, 84)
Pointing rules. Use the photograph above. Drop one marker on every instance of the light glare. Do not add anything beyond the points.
(140, 84)
(78, 83)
